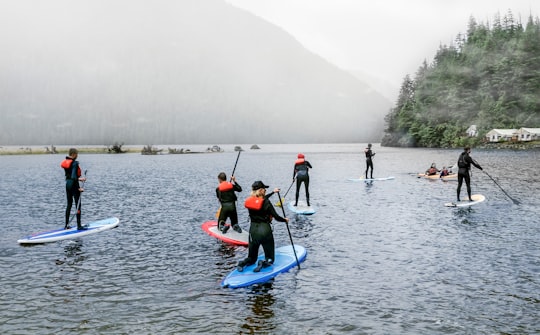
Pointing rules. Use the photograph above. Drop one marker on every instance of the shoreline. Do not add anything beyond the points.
(98, 149)
(91, 149)
(42, 150)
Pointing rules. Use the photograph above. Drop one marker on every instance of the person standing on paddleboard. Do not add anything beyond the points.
(464, 165)
(261, 213)
(301, 173)
(72, 171)
(369, 162)
(227, 198)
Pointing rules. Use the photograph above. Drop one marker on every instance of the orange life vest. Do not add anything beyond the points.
(254, 203)
(299, 161)
(225, 186)
(66, 165)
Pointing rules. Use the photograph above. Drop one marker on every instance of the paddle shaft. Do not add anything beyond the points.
(289, 187)
(234, 169)
(281, 200)
(290, 236)
(490, 177)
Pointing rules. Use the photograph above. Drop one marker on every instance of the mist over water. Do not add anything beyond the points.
(383, 258)
(170, 72)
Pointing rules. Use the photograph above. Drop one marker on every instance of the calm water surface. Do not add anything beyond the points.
(383, 258)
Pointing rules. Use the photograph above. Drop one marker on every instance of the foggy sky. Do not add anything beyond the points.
(168, 71)
(385, 39)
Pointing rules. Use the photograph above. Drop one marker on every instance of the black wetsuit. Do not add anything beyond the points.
(228, 204)
(464, 165)
(260, 232)
(369, 162)
(72, 189)
(301, 171)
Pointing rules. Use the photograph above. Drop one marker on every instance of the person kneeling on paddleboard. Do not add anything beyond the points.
(227, 198)
(261, 213)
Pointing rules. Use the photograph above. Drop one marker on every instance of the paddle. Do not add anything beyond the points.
(514, 200)
(232, 174)
(279, 203)
(290, 236)
(77, 208)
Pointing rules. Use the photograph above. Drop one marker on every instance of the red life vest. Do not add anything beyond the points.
(254, 203)
(66, 165)
(299, 161)
(225, 186)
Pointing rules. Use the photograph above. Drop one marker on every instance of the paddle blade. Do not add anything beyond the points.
(279, 203)
(218, 212)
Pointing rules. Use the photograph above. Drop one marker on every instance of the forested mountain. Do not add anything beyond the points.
(489, 77)
(169, 72)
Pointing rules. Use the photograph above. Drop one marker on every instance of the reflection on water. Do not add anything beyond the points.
(384, 257)
(261, 301)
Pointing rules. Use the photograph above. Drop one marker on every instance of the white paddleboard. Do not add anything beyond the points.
(301, 208)
(477, 198)
(65, 234)
(372, 179)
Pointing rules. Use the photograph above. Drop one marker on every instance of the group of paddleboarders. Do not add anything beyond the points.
(261, 212)
(464, 165)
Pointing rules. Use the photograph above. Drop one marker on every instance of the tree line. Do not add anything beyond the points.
(488, 77)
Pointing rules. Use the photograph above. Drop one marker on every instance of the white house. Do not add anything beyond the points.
(497, 135)
(472, 131)
(528, 134)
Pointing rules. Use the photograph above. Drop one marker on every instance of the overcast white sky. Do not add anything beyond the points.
(383, 38)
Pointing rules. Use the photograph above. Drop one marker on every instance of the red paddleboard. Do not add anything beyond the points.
(231, 236)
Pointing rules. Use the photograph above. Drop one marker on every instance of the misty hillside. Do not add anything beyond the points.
(489, 78)
(168, 72)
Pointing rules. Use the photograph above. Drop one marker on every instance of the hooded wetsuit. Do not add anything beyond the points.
(464, 165)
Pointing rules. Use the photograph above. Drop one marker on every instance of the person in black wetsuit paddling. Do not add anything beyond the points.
(464, 165)
(227, 198)
(369, 162)
(301, 173)
(72, 171)
(261, 213)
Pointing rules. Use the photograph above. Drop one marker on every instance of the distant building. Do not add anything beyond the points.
(528, 134)
(471, 131)
(498, 135)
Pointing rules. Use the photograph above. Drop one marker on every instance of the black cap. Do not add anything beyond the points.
(257, 185)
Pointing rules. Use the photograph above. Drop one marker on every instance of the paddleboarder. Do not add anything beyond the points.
(369, 161)
(301, 173)
(261, 212)
(464, 165)
(72, 172)
(225, 192)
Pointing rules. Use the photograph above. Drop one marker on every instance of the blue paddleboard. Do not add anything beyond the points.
(302, 208)
(284, 261)
(65, 234)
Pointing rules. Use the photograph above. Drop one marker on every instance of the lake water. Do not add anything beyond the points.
(383, 258)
